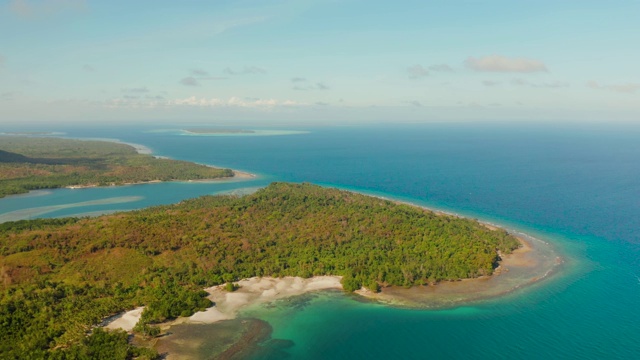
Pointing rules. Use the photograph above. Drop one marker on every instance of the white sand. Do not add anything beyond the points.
(126, 321)
(259, 290)
(243, 175)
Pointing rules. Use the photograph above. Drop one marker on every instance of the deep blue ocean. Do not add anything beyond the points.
(577, 186)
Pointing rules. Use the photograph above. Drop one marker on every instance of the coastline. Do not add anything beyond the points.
(237, 175)
(525, 262)
(256, 291)
(141, 149)
(233, 310)
(532, 261)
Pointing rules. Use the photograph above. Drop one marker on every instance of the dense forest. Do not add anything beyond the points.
(62, 276)
(31, 163)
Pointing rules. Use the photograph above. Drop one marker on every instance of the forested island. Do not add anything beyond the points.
(62, 277)
(31, 163)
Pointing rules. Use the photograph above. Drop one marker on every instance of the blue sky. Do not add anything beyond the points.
(318, 61)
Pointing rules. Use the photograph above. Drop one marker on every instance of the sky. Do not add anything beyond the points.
(324, 61)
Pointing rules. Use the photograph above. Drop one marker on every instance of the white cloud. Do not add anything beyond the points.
(199, 72)
(246, 70)
(304, 84)
(497, 63)
(549, 85)
(190, 81)
(234, 102)
(627, 88)
(198, 75)
(417, 72)
(32, 9)
(138, 90)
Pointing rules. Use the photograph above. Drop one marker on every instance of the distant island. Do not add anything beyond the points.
(31, 163)
(62, 277)
(219, 131)
(28, 133)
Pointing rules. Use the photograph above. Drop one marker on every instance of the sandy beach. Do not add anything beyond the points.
(256, 290)
(532, 261)
(252, 291)
(125, 321)
(243, 175)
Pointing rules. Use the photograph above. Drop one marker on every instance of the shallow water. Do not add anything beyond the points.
(575, 187)
(231, 339)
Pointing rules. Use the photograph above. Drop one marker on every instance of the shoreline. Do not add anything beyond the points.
(144, 150)
(141, 149)
(256, 291)
(525, 266)
(529, 262)
(259, 291)
(237, 175)
(534, 260)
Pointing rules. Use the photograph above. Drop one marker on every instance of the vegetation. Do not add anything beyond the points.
(60, 277)
(231, 287)
(28, 163)
(373, 286)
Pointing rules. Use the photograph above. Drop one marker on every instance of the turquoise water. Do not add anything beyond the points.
(576, 187)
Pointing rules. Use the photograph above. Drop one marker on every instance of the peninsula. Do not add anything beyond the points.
(61, 277)
(31, 163)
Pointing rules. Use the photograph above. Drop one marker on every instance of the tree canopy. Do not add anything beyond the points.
(60, 277)
(30, 163)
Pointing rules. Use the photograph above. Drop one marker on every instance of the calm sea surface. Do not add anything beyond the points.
(576, 187)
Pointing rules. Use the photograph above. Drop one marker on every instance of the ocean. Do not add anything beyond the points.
(573, 185)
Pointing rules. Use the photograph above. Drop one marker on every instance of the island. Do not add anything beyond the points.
(219, 131)
(32, 163)
(62, 277)
(28, 133)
